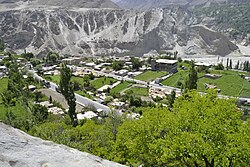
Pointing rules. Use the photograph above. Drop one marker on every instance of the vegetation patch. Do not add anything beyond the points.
(121, 87)
(99, 82)
(230, 84)
(150, 75)
(138, 91)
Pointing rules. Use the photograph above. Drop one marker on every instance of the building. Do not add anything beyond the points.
(72, 61)
(122, 72)
(87, 115)
(164, 65)
(3, 69)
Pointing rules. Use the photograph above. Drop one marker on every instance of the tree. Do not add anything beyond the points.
(219, 67)
(191, 80)
(67, 89)
(28, 56)
(40, 112)
(2, 45)
(52, 57)
(38, 96)
(117, 65)
(230, 64)
(171, 99)
(136, 63)
(201, 130)
(237, 66)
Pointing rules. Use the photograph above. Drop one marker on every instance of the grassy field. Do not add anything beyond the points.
(99, 82)
(150, 75)
(179, 76)
(120, 87)
(230, 84)
(139, 91)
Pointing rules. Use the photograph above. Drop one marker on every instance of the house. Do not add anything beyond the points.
(72, 60)
(104, 88)
(247, 78)
(3, 69)
(164, 65)
(202, 64)
(87, 115)
(212, 76)
(32, 87)
(56, 111)
(46, 104)
(121, 72)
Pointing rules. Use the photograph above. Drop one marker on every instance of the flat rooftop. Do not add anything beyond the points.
(166, 61)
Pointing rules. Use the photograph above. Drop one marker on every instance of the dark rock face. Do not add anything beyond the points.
(20, 149)
(108, 31)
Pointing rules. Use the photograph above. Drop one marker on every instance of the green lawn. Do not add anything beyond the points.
(138, 91)
(230, 84)
(179, 76)
(150, 75)
(99, 82)
(121, 87)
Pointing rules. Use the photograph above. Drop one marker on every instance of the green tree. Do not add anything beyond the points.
(2, 45)
(52, 57)
(117, 65)
(201, 130)
(28, 55)
(191, 80)
(136, 63)
(40, 112)
(67, 89)
(171, 99)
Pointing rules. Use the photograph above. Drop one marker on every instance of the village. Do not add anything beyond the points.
(121, 84)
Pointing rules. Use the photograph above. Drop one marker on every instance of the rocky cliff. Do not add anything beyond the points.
(18, 149)
(108, 31)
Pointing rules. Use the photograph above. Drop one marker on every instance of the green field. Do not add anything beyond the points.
(119, 88)
(230, 84)
(138, 91)
(179, 76)
(150, 75)
(99, 82)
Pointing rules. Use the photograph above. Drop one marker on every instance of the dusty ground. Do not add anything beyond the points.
(59, 98)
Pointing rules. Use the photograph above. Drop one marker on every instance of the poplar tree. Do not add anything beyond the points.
(67, 89)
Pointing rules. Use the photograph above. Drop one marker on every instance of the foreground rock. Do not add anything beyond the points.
(22, 150)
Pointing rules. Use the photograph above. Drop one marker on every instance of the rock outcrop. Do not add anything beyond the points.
(108, 31)
(18, 149)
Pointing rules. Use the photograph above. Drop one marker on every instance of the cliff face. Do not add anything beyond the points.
(108, 31)
(20, 149)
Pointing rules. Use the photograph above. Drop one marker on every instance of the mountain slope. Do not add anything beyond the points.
(60, 3)
(106, 31)
(148, 4)
(20, 149)
(77, 3)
